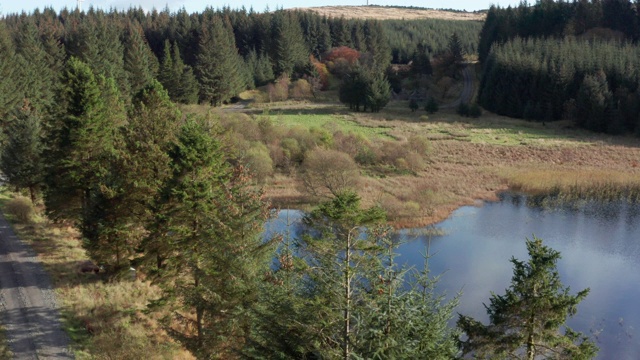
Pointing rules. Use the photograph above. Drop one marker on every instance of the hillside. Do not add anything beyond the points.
(393, 13)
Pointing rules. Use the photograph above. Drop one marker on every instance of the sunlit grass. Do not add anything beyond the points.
(105, 318)
(577, 183)
(333, 122)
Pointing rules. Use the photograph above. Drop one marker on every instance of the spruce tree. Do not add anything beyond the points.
(525, 321)
(81, 140)
(22, 162)
(9, 86)
(213, 252)
(139, 61)
(38, 78)
(217, 66)
(288, 51)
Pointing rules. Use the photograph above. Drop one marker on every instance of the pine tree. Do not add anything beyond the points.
(592, 101)
(217, 67)
(213, 251)
(338, 256)
(525, 321)
(455, 53)
(177, 77)
(22, 162)
(9, 86)
(378, 93)
(81, 140)
(139, 61)
(38, 78)
(288, 51)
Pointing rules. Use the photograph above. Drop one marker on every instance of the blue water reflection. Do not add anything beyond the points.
(600, 246)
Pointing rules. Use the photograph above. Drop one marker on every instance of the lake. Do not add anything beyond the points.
(600, 246)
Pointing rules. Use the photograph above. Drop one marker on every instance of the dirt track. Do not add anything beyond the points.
(27, 302)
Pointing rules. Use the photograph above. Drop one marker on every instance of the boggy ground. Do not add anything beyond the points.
(474, 159)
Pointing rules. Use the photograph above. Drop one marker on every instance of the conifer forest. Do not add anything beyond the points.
(95, 134)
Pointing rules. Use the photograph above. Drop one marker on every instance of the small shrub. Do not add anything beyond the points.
(21, 208)
(301, 89)
(415, 162)
(413, 105)
(432, 105)
(475, 111)
(463, 109)
(259, 162)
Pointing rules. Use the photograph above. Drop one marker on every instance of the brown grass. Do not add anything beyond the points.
(105, 319)
(392, 13)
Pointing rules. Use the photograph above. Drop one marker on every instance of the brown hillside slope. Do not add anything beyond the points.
(389, 13)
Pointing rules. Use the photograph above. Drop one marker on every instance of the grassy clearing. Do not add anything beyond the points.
(345, 123)
(106, 319)
(387, 13)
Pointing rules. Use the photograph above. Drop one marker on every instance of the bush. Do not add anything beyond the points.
(21, 208)
(413, 105)
(301, 89)
(328, 172)
(259, 162)
(475, 111)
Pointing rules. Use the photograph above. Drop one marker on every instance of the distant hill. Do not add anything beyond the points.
(388, 13)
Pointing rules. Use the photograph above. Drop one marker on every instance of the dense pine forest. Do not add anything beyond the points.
(564, 60)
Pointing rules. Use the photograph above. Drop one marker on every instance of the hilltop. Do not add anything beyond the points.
(389, 13)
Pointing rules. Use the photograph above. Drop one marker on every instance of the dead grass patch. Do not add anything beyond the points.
(105, 319)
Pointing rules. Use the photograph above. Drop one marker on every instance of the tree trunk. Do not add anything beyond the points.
(347, 308)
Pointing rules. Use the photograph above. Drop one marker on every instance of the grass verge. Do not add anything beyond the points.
(5, 352)
(106, 319)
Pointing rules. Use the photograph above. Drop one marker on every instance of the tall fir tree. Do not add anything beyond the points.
(213, 252)
(22, 161)
(139, 61)
(10, 85)
(288, 50)
(38, 77)
(81, 141)
(218, 63)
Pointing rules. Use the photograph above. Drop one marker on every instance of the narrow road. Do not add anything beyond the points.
(467, 90)
(28, 308)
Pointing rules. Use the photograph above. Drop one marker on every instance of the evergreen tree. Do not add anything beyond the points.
(22, 162)
(177, 77)
(455, 54)
(218, 63)
(432, 105)
(81, 141)
(37, 77)
(214, 253)
(9, 86)
(525, 321)
(289, 54)
(139, 61)
(592, 102)
(378, 93)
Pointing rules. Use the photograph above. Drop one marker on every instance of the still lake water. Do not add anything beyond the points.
(599, 243)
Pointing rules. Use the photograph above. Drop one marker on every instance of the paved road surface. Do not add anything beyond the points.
(27, 302)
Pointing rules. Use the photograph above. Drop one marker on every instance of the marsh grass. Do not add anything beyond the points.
(106, 319)
(577, 184)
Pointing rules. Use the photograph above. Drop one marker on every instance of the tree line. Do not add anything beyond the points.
(561, 60)
(617, 19)
(592, 83)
